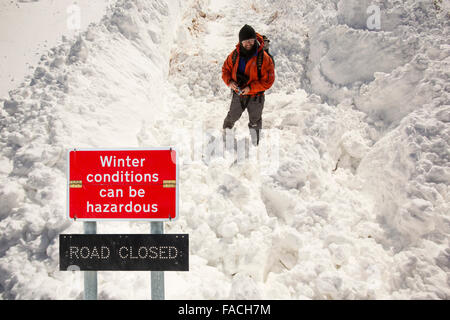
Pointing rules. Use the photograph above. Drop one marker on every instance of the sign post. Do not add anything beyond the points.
(123, 185)
(157, 277)
(90, 277)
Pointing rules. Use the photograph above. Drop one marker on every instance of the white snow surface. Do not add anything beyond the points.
(27, 27)
(357, 206)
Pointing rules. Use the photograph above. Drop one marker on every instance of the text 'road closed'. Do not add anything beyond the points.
(153, 252)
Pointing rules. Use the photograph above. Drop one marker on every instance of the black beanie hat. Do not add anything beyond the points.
(246, 33)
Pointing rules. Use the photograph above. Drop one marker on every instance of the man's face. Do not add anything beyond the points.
(248, 44)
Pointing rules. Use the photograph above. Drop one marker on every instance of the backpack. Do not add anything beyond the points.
(259, 59)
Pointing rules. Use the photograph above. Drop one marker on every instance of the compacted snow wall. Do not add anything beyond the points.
(87, 92)
(395, 69)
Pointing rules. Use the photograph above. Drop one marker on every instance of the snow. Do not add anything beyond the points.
(346, 199)
(27, 28)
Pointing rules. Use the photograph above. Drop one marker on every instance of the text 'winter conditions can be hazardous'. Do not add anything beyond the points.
(134, 184)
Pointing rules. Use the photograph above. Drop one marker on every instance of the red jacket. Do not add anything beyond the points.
(267, 70)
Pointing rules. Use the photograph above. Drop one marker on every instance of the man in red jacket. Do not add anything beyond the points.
(248, 82)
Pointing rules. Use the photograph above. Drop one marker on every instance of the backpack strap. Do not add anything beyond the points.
(234, 57)
(259, 61)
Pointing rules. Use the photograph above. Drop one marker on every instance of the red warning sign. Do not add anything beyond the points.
(135, 184)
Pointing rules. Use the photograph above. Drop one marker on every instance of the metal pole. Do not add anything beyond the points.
(157, 277)
(90, 277)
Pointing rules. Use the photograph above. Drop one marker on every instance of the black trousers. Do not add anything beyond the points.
(254, 106)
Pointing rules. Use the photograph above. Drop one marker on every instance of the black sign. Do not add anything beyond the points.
(126, 252)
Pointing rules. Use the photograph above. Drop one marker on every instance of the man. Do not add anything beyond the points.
(246, 84)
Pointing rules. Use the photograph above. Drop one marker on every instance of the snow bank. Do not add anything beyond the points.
(346, 56)
(89, 92)
(30, 27)
(397, 76)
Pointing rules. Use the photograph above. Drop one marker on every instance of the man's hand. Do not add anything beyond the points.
(233, 85)
(246, 90)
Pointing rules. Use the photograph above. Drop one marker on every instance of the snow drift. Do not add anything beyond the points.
(357, 206)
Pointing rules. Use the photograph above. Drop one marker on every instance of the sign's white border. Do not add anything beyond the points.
(177, 197)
